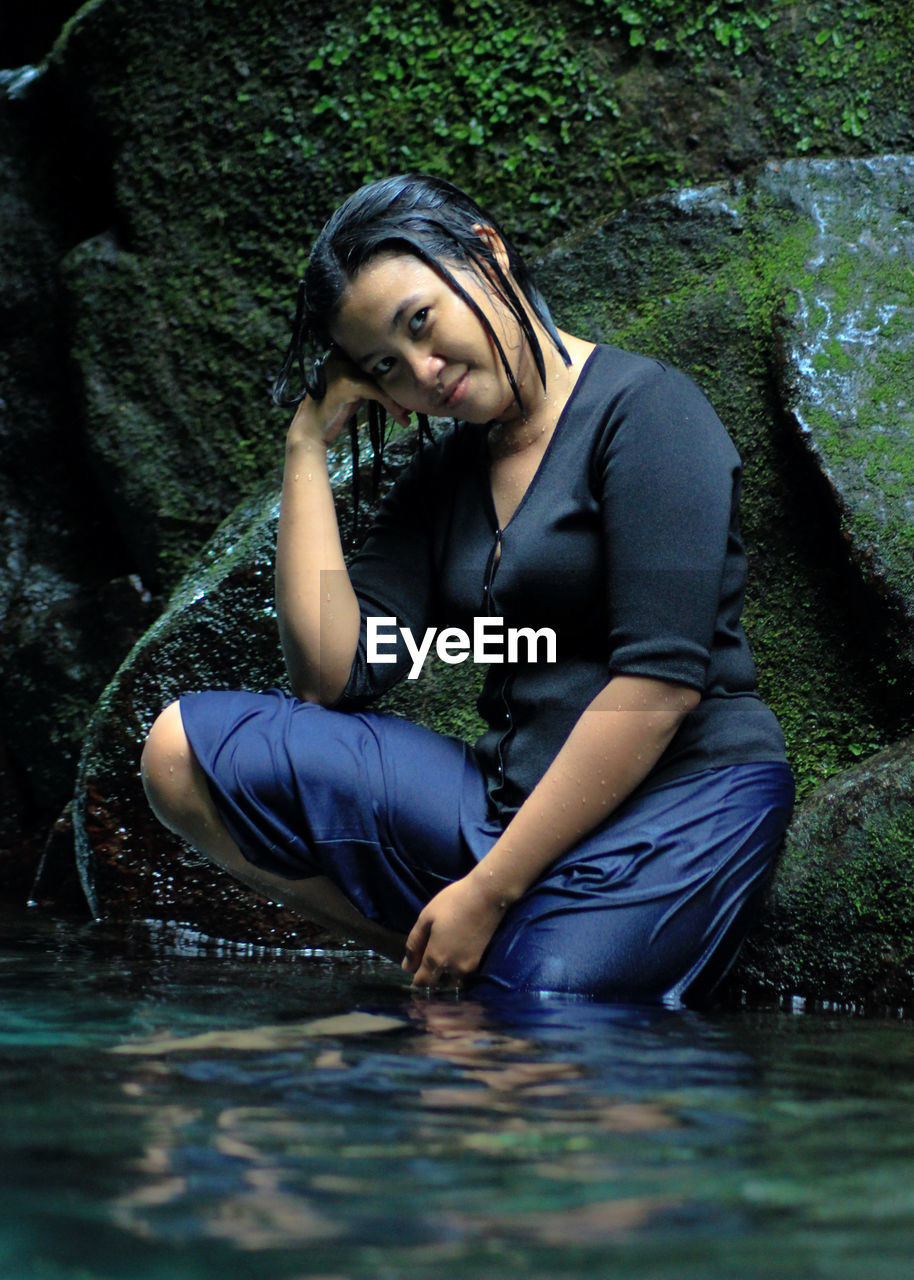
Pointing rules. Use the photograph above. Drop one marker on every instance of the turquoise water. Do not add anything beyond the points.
(175, 1108)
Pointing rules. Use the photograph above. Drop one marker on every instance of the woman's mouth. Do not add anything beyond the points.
(455, 392)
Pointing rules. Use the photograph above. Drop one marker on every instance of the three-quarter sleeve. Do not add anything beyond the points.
(669, 481)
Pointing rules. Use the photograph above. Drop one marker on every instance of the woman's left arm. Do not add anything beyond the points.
(664, 563)
(613, 746)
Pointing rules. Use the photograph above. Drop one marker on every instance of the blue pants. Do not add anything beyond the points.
(651, 905)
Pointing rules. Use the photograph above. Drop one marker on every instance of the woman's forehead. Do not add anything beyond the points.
(385, 278)
(374, 301)
(388, 269)
(398, 269)
(383, 290)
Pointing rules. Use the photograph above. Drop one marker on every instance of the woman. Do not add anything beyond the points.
(612, 829)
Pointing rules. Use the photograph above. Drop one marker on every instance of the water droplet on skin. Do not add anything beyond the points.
(297, 476)
(309, 475)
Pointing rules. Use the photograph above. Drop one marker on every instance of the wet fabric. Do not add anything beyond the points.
(652, 905)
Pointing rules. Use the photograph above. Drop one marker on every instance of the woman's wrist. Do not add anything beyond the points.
(305, 431)
(499, 889)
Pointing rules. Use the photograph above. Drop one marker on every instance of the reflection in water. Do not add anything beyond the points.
(211, 1114)
(482, 1117)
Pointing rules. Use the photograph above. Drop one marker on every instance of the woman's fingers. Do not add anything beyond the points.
(447, 942)
(434, 975)
(396, 411)
(426, 969)
(357, 386)
(415, 945)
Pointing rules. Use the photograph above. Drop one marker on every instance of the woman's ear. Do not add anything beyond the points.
(494, 243)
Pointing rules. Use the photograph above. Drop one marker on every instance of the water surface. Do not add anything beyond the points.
(173, 1107)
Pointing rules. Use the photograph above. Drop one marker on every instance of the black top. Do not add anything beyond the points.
(626, 544)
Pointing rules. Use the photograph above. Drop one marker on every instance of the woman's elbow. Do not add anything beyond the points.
(666, 705)
(322, 692)
(676, 702)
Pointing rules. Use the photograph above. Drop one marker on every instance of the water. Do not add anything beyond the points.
(173, 1108)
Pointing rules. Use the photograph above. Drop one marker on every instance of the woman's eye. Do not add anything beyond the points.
(417, 322)
(383, 367)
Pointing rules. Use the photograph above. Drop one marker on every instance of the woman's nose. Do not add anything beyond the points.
(426, 369)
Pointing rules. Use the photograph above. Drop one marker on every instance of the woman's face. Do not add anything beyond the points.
(403, 325)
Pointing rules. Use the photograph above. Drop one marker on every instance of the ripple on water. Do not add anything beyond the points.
(305, 1115)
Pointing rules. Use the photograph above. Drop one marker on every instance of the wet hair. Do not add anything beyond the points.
(434, 221)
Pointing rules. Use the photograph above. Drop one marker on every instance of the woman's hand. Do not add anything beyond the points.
(322, 421)
(317, 609)
(453, 930)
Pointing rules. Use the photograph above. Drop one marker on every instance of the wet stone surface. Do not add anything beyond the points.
(848, 377)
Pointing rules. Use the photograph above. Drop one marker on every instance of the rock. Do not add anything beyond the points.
(847, 377)
(179, 298)
(218, 631)
(69, 611)
(60, 647)
(150, 439)
(839, 923)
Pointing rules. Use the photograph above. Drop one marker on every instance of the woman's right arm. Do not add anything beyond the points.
(316, 606)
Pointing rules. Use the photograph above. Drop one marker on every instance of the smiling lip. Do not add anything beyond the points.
(455, 392)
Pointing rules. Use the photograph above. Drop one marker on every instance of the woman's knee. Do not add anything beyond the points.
(172, 778)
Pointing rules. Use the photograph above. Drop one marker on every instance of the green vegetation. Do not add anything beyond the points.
(877, 884)
(665, 26)
(537, 107)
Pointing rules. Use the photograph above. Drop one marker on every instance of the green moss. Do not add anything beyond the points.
(843, 73)
(548, 111)
(872, 452)
(877, 885)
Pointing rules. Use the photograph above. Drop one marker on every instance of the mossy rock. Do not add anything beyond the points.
(218, 631)
(847, 378)
(839, 922)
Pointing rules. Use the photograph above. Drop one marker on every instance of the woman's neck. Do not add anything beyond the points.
(543, 405)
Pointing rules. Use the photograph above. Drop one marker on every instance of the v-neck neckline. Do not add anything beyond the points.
(487, 461)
